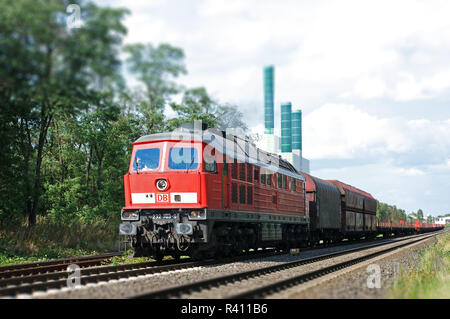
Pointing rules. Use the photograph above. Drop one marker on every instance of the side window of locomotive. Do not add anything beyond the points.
(256, 175)
(284, 181)
(210, 163)
(269, 179)
(249, 195)
(234, 193)
(242, 194)
(279, 180)
(293, 185)
(242, 171)
(183, 158)
(249, 173)
(146, 160)
(225, 168)
(234, 170)
(263, 178)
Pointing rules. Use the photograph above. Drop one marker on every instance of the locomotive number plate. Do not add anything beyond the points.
(162, 198)
(164, 216)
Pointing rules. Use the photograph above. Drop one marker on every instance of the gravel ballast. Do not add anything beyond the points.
(352, 283)
(132, 286)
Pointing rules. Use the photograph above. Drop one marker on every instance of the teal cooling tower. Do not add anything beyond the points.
(297, 130)
(286, 127)
(268, 99)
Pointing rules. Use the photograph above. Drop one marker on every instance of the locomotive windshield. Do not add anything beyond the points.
(183, 158)
(146, 160)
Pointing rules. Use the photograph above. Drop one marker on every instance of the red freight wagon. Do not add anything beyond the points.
(358, 211)
(324, 209)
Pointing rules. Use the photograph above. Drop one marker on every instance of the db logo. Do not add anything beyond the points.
(162, 198)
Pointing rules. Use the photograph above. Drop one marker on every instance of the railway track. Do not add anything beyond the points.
(15, 279)
(39, 267)
(30, 277)
(11, 287)
(183, 290)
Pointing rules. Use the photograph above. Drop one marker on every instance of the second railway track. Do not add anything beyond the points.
(201, 289)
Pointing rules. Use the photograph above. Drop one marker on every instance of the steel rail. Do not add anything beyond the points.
(36, 264)
(177, 291)
(264, 291)
(30, 284)
(21, 273)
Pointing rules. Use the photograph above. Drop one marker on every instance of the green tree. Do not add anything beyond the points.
(412, 216)
(198, 105)
(420, 215)
(156, 68)
(49, 69)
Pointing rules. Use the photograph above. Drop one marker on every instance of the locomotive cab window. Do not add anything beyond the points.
(146, 160)
(183, 158)
(263, 178)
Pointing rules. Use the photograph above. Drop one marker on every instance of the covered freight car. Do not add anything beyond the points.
(358, 211)
(324, 209)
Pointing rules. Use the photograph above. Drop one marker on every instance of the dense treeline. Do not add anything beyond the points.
(387, 212)
(391, 213)
(68, 116)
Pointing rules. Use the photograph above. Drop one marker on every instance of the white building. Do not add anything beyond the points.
(272, 143)
(442, 220)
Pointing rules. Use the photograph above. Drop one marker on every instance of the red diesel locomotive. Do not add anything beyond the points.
(205, 193)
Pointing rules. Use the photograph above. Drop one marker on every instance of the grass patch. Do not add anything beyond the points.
(431, 278)
(50, 239)
(121, 260)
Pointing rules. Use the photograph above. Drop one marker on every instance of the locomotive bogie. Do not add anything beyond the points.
(212, 231)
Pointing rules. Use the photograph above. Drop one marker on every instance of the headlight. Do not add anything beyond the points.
(127, 215)
(184, 229)
(197, 214)
(161, 184)
(127, 229)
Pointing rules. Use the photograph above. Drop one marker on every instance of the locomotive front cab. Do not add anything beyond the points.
(165, 203)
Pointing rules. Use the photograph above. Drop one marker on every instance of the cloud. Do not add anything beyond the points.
(212, 8)
(390, 185)
(344, 131)
(372, 79)
(324, 51)
(410, 171)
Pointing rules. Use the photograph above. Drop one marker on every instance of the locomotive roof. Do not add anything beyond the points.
(230, 145)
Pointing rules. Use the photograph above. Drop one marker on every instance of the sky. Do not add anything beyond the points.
(372, 79)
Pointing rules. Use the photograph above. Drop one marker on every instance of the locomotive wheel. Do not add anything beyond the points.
(176, 256)
(159, 256)
(137, 252)
(198, 255)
